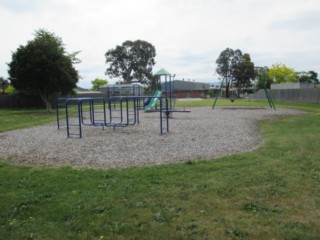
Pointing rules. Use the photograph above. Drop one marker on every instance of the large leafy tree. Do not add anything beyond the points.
(132, 60)
(313, 76)
(263, 79)
(226, 64)
(243, 71)
(310, 76)
(43, 67)
(280, 73)
(98, 83)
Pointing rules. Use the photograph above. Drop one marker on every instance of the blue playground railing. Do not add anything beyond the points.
(122, 112)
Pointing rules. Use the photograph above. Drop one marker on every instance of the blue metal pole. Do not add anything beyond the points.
(161, 130)
(67, 118)
(57, 107)
(80, 117)
(127, 109)
(167, 114)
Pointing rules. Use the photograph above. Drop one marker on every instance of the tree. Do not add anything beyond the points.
(310, 76)
(131, 60)
(263, 79)
(280, 73)
(43, 67)
(98, 83)
(226, 63)
(4, 84)
(243, 71)
(313, 76)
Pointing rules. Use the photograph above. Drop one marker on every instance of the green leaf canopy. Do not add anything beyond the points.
(43, 67)
(132, 60)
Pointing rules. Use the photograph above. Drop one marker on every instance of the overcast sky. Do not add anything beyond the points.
(188, 35)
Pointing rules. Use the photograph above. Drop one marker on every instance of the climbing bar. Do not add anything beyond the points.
(122, 112)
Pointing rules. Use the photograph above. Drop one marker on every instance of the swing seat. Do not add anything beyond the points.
(233, 96)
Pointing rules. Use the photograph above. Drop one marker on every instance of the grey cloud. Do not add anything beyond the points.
(19, 6)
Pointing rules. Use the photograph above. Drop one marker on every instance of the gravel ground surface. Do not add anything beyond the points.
(201, 134)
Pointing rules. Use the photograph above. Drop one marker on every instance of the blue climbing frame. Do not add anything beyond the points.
(122, 112)
(78, 112)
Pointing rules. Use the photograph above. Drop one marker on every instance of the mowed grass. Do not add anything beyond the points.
(11, 119)
(271, 193)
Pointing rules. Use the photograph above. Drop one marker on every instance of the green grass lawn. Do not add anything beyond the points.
(271, 193)
(11, 119)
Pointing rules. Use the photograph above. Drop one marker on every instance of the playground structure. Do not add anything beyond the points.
(118, 111)
(233, 95)
(167, 89)
(152, 101)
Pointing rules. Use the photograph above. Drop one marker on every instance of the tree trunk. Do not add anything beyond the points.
(47, 102)
(48, 105)
(227, 90)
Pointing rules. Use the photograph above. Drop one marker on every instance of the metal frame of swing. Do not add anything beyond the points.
(233, 98)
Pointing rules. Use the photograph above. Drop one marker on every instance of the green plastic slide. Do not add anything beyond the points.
(153, 101)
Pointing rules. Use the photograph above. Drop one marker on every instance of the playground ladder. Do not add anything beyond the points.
(164, 116)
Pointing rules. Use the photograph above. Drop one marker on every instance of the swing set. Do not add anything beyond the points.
(232, 93)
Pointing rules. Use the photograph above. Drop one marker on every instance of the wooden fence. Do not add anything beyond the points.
(310, 95)
(15, 101)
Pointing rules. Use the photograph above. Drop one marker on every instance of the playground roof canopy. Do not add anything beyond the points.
(162, 72)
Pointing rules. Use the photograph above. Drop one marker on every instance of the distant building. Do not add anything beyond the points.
(187, 89)
(133, 89)
(80, 91)
(215, 85)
